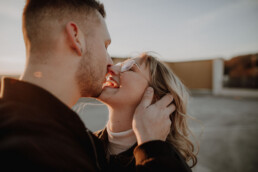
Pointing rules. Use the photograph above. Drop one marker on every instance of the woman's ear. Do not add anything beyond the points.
(75, 37)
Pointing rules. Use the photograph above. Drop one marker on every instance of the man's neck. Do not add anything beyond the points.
(55, 82)
(120, 118)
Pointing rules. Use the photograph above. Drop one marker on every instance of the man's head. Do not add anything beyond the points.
(70, 35)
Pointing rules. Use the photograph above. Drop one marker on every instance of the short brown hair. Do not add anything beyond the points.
(38, 15)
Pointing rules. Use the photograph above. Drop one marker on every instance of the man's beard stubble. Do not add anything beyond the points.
(88, 77)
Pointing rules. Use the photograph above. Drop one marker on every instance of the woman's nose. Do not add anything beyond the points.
(114, 69)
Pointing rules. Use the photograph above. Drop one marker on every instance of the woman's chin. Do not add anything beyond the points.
(107, 94)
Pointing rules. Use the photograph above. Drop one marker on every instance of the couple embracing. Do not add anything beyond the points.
(66, 58)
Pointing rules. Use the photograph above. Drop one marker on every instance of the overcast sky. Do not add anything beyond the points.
(178, 30)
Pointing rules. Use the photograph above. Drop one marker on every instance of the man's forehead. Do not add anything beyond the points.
(96, 20)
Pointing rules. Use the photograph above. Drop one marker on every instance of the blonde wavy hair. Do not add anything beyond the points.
(164, 81)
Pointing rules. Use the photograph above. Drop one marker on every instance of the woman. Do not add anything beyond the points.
(122, 92)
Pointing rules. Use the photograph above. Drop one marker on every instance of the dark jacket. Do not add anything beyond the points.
(39, 133)
(150, 156)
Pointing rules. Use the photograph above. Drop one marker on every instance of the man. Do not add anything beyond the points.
(66, 47)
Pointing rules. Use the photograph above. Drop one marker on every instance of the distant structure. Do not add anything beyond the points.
(241, 72)
(235, 77)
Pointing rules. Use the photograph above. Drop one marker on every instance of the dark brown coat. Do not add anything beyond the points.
(39, 133)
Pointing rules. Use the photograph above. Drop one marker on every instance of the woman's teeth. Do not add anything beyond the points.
(110, 83)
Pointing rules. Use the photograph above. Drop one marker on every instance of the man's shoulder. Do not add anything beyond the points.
(14, 105)
(17, 111)
(41, 140)
(8, 108)
(18, 119)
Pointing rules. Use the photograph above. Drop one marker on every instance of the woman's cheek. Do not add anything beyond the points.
(139, 91)
(133, 85)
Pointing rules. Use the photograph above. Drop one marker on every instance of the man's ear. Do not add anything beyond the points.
(75, 37)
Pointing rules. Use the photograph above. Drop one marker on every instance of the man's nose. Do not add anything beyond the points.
(114, 69)
(110, 61)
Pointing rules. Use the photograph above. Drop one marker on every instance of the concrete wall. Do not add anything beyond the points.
(116, 60)
(217, 77)
(196, 75)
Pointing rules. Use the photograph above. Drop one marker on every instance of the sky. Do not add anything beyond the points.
(178, 30)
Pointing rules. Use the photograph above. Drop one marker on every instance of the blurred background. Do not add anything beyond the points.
(211, 45)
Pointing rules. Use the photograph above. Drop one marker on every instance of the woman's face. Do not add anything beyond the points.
(126, 83)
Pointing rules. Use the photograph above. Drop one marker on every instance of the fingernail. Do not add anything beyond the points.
(149, 90)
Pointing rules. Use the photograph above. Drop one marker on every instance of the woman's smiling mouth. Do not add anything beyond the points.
(110, 82)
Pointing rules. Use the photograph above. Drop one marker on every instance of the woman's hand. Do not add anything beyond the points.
(151, 121)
